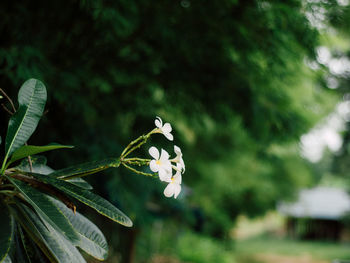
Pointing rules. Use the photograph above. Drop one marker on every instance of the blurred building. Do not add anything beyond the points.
(318, 213)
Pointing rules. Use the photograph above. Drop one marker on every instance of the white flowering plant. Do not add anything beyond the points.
(39, 221)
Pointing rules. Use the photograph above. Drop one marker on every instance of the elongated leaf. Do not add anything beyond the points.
(23, 245)
(27, 223)
(57, 240)
(32, 99)
(27, 150)
(80, 182)
(38, 256)
(92, 240)
(36, 160)
(20, 254)
(33, 254)
(44, 169)
(37, 168)
(96, 202)
(61, 248)
(30, 248)
(46, 209)
(7, 226)
(84, 169)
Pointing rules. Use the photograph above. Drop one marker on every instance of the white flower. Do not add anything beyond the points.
(161, 164)
(174, 186)
(165, 129)
(178, 159)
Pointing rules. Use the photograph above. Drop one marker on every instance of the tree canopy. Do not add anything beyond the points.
(230, 76)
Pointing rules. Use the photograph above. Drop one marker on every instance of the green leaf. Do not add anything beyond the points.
(33, 254)
(44, 169)
(38, 256)
(27, 223)
(92, 240)
(37, 168)
(96, 202)
(84, 169)
(36, 159)
(81, 183)
(20, 254)
(59, 247)
(47, 210)
(7, 226)
(24, 245)
(27, 150)
(32, 99)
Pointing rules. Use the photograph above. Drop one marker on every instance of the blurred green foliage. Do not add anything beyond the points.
(228, 75)
(337, 44)
(200, 249)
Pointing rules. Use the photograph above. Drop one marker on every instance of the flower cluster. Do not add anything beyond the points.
(165, 166)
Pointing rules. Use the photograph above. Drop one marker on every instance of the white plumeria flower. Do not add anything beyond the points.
(160, 164)
(174, 186)
(178, 159)
(165, 129)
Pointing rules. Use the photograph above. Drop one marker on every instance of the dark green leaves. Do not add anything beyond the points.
(96, 202)
(22, 253)
(44, 206)
(84, 169)
(27, 150)
(6, 232)
(44, 169)
(92, 240)
(46, 228)
(32, 99)
(57, 248)
(80, 182)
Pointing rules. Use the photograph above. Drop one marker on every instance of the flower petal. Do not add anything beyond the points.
(177, 150)
(169, 136)
(166, 128)
(177, 179)
(169, 190)
(153, 166)
(158, 122)
(166, 165)
(177, 190)
(153, 151)
(183, 165)
(164, 156)
(164, 175)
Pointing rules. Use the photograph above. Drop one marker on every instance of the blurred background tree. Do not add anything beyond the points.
(337, 67)
(230, 76)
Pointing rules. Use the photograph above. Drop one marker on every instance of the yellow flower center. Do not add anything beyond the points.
(158, 162)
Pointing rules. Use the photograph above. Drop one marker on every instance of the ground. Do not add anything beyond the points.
(277, 250)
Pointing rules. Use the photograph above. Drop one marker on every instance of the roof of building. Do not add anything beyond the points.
(318, 203)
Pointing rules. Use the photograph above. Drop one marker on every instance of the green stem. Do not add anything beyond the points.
(3, 166)
(130, 144)
(137, 159)
(143, 141)
(137, 144)
(138, 172)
